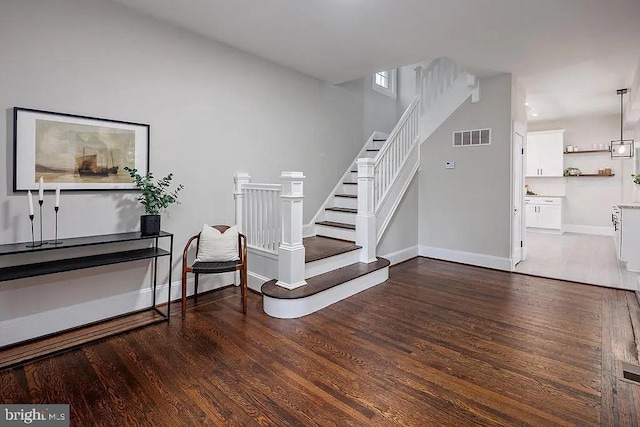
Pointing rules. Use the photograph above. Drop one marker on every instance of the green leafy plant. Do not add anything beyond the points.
(636, 177)
(571, 171)
(155, 193)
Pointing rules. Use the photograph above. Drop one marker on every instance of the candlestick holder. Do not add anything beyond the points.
(33, 239)
(56, 241)
(40, 202)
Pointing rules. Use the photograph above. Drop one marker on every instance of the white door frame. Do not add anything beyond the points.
(518, 167)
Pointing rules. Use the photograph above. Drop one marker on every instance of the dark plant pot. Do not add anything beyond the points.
(150, 225)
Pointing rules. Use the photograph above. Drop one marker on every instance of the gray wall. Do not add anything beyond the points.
(213, 111)
(467, 209)
(379, 112)
(588, 200)
(402, 231)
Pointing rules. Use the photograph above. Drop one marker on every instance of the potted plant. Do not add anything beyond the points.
(155, 196)
(636, 178)
(571, 171)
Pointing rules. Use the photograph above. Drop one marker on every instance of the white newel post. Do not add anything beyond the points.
(366, 218)
(239, 179)
(291, 251)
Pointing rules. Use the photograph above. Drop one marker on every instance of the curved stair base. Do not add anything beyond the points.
(322, 290)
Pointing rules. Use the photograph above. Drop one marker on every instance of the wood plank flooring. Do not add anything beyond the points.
(18, 354)
(437, 344)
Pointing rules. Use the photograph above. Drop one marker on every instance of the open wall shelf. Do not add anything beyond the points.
(587, 151)
(590, 175)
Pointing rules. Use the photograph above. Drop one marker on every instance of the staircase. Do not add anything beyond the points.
(340, 258)
(333, 272)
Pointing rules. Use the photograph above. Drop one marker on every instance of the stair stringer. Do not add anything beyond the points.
(444, 107)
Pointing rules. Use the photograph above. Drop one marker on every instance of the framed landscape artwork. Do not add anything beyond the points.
(76, 152)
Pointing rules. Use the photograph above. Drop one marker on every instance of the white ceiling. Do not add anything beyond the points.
(571, 55)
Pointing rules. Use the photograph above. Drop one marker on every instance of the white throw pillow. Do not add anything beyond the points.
(216, 246)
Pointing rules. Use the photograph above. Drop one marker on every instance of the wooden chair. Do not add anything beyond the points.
(199, 267)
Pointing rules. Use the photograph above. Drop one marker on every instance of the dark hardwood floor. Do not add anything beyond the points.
(437, 344)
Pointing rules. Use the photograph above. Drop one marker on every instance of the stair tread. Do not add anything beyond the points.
(337, 224)
(320, 247)
(350, 196)
(373, 149)
(345, 210)
(350, 183)
(379, 140)
(322, 282)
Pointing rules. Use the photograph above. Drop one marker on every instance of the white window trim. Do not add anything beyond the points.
(391, 91)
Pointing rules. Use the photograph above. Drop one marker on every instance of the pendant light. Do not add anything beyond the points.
(622, 148)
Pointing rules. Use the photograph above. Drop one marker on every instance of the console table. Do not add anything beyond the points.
(18, 353)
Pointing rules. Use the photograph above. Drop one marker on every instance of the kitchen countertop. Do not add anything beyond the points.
(629, 205)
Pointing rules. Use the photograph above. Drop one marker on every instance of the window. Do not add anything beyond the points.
(385, 82)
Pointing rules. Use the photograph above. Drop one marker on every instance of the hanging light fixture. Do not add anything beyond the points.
(622, 148)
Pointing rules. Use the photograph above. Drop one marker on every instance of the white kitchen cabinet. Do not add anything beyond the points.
(544, 153)
(544, 213)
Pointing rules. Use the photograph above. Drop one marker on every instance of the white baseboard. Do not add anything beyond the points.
(588, 229)
(402, 255)
(481, 260)
(59, 319)
(256, 281)
(545, 230)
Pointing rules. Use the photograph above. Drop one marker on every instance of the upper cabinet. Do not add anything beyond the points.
(544, 153)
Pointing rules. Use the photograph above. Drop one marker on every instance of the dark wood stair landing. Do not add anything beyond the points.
(318, 247)
(325, 281)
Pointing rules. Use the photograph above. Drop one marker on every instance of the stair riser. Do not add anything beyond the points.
(336, 233)
(345, 202)
(326, 265)
(350, 189)
(344, 217)
(354, 177)
(294, 308)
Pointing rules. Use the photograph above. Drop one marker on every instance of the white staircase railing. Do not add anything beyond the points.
(261, 222)
(391, 171)
(270, 215)
(394, 152)
(434, 81)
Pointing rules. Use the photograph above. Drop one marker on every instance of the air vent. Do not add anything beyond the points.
(629, 372)
(469, 138)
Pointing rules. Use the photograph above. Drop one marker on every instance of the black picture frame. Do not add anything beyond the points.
(75, 152)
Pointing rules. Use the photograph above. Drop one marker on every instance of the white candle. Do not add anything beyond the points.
(58, 196)
(41, 190)
(30, 203)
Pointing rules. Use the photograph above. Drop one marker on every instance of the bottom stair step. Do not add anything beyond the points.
(323, 290)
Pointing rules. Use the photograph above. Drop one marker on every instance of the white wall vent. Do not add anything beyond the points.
(469, 138)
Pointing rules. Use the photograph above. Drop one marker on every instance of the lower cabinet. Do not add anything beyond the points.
(544, 212)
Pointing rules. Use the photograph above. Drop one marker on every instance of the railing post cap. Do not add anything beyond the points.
(241, 176)
(366, 161)
(292, 176)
